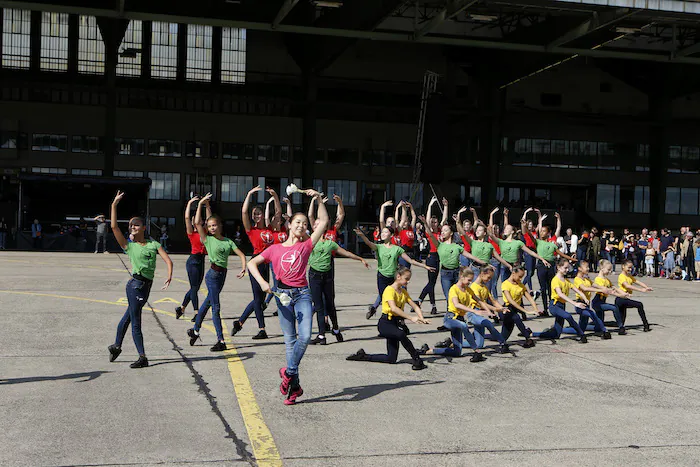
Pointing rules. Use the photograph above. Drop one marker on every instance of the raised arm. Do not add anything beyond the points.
(118, 236)
(458, 223)
(429, 230)
(343, 252)
(398, 212)
(382, 213)
(445, 211)
(312, 212)
(277, 217)
(339, 213)
(429, 211)
(491, 216)
(246, 207)
(413, 214)
(322, 217)
(505, 217)
(198, 217)
(268, 221)
(475, 217)
(540, 219)
(290, 211)
(557, 232)
(188, 222)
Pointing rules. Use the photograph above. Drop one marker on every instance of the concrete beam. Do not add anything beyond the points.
(690, 50)
(283, 12)
(452, 9)
(595, 22)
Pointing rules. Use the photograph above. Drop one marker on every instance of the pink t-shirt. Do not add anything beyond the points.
(289, 262)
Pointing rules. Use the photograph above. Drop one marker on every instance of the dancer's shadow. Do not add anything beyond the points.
(241, 355)
(81, 377)
(360, 393)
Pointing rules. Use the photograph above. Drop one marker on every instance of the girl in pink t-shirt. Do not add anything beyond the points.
(289, 261)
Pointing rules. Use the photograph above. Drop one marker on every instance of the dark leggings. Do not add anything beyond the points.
(390, 330)
(624, 303)
(195, 273)
(433, 261)
(256, 305)
(510, 319)
(323, 295)
(544, 277)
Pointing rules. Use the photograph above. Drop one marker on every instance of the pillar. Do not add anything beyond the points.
(35, 41)
(181, 52)
(146, 49)
(73, 39)
(660, 113)
(309, 127)
(216, 52)
(490, 107)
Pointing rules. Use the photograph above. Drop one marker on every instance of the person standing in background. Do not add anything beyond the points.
(101, 233)
(36, 234)
(3, 233)
(656, 245)
(595, 249)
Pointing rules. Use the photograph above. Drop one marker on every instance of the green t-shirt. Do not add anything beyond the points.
(388, 259)
(449, 255)
(143, 258)
(510, 250)
(320, 259)
(219, 250)
(546, 249)
(482, 250)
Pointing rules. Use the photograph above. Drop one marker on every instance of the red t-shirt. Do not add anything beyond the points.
(260, 239)
(407, 238)
(377, 235)
(433, 246)
(529, 240)
(280, 236)
(496, 248)
(196, 244)
(289, 262)
(396, 240)
(331, 234)
(467, 246)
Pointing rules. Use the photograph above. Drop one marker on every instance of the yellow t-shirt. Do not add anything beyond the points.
(586, 282)
(464, 298)
(623, 280)
(400, 298)
(480, 292)
(516, 291)
(564, 285)
(603, 282)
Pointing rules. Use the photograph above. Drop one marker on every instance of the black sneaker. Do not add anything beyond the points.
(444, 344)
(419, 365)
(194, 335)
(179, 312)
(606, 335)
(424, 349)
(359, 356)
(528, 343)
(503, 348)
(338, 335)
(442, 328)
(276, 313)
(237, 326)
(371, 312)
(523, 316)
(622, 332)
(434, 311)
(142, 362)
(477, 357)
(318, 340)
(496, 319)
(260, 335)
(194, 318)
(646, 328)
(114, 352)
(583, 340)
(328, 328)
(218, 347)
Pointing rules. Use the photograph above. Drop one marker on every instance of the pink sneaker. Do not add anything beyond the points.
(293, 394)
(284, 386)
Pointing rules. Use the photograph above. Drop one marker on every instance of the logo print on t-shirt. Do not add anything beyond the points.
(409, 234)
(282, 237)
(289, 262)
(330, 236)
(266, 237)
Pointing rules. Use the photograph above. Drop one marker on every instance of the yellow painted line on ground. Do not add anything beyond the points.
(264, 448)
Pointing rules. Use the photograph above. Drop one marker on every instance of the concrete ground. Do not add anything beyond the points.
(633, 399)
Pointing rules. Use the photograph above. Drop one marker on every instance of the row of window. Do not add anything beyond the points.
(16, 48)
(685, 201)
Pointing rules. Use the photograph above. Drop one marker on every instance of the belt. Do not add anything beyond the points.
(217, 268)
(282, 285)
(449, 269)
(139, 277)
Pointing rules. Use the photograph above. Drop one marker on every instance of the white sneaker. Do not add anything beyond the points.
(106, 252)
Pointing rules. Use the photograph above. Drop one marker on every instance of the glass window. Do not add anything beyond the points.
(234, 188)
(500, 194)
(164, 50)
(198, 52)
(607, 198)
(284, 153)
(474, 196)
(320, 156)
(513, 195)
(233, 55)
(403, 159)
(673, 200)
(48, 170)
(542, 194)
(16, 51)
(91, 172)
(164, 185)
(49, 143)
(86, 144)
(342, 156)
(129, 146)
(267, 153)
(129, 59)
(54, 41)
(689, 201)
(641, 199)
(674, 156)
(128, 174)
(238, 151)
(642, 158)
(691, 160)
(8, 139)
(193, 149)
(213, 150)
(346, 189)
(91, 47)
(164, 148)
(409, 192)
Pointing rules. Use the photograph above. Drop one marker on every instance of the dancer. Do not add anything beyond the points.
(261, 238)
(389, 222)
(218, 249)
(464, 229)
(388, 255)
(278, 236)
(322, 284)
(513, 292)
(390, 326)
(142, 254)
(599, 299)
(289, 261)
(486, 306)
(195, 262)
(482, 249)
(407, 237)
(560, 290)
(433, 260)
(628, 284)
(584, 284)
(332, 232)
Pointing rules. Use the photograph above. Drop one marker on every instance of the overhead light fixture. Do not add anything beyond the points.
(623, 30)
(328, 3)
(485, 18)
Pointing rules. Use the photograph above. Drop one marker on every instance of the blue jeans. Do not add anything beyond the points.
(448, 278)
(481, 323)
(505, 274)
(586, 314)
(560, 314)
(137, 293)
(382, 283)
(301, 311)
(492, 285)
(510, 319)
(464, 261)
(403, 262)
(433, 261)
(458, 330)
(3, 238)
(195, 274)
(215, 283)
(256, 305)
(530, 262)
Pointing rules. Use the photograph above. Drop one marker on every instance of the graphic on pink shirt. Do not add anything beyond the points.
(289, 262)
